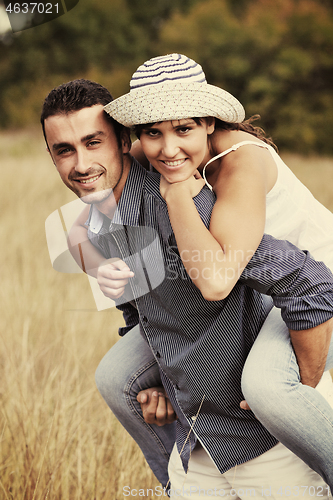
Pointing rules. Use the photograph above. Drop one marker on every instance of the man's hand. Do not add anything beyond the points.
(112, 277)
(311, 348)
(156, 407)
(243, 404)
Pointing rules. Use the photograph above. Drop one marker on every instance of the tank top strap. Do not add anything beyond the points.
(224, 153)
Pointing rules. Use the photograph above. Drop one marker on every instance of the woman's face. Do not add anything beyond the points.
(177, 148)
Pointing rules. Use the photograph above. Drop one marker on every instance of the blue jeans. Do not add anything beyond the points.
(125, 370)
(297, 415)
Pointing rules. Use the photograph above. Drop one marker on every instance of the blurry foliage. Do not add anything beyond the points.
(275, 56)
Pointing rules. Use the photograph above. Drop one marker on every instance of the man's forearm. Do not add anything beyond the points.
(299, 285)
(311, 348)
(303, 289)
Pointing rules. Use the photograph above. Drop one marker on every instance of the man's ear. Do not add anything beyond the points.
(125, 137)
(48, 151)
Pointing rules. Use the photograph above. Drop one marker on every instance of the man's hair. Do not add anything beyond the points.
(74, 96)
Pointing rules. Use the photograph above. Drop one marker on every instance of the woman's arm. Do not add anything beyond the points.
(215, 258)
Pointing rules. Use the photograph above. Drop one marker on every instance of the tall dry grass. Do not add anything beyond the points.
(58, 440)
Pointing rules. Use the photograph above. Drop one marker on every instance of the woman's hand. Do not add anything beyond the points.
(192, 186)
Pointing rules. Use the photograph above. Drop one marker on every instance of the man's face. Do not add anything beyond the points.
(85, 150)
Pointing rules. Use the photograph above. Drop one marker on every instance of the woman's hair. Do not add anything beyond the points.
(246, 126)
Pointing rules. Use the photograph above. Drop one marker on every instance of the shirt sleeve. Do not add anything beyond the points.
(299, 285)
(131, 317)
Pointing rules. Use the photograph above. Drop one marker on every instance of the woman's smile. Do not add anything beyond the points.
(176, 148)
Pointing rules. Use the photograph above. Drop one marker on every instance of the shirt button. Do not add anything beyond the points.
(158, 354)
(194, 418)
(144, 319)
(177, 387)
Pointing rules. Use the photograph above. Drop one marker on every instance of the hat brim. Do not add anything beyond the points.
(175, 101)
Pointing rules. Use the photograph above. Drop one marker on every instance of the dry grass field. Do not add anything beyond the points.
(58, 440)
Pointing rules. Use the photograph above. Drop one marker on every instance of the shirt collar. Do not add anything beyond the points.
(128, 208)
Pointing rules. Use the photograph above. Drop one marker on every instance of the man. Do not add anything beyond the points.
(200, 367)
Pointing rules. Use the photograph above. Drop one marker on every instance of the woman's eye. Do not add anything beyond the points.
(152, 133)
(184, 130)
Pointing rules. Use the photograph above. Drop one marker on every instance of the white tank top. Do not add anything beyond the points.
(292, 212)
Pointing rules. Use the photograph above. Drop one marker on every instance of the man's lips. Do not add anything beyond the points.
(88, 180)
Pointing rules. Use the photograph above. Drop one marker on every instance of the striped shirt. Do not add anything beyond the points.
(201, 346)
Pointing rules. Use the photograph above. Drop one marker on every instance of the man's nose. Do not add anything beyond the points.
(82, 162)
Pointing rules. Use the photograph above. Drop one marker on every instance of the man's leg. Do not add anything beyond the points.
(125, 370)
(201, 480)
(297, 415)
(276, 474)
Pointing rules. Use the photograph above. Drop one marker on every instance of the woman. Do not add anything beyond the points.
(186, 126)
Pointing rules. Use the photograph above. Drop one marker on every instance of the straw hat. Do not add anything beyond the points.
(173, 87)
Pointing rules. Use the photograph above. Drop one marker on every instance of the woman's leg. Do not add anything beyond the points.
(125, 370)
(297, 415)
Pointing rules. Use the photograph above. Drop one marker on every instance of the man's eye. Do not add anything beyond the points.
(63, 151)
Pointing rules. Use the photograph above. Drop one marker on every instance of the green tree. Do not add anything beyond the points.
(153, 15)
(292, 85)
(95, 38)
(277, 58)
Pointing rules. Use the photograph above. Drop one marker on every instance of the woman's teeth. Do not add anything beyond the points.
(174, 163)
